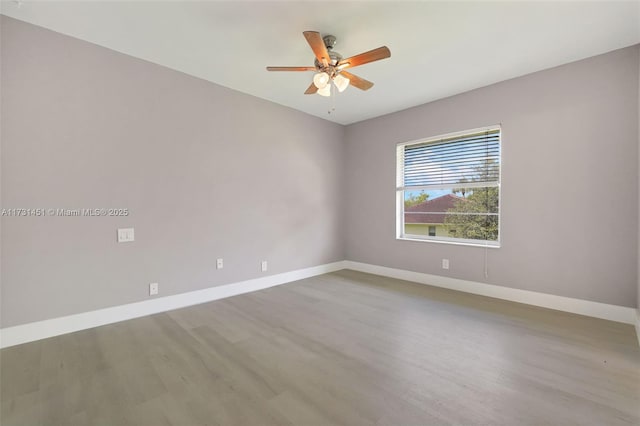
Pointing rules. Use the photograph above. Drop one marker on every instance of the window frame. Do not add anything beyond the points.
(400, 190)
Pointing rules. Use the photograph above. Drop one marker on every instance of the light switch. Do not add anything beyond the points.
(125, 235)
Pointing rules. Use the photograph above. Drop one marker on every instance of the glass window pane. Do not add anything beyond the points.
(454, 213)
(472, 226)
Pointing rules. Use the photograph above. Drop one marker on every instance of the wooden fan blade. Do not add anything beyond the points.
(317, 45)
(364, 58)
(291, 68)
(311, 89)
(356, 81)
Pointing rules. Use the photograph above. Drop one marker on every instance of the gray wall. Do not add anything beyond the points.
(208, 172)
(569, 182)
(205, 171)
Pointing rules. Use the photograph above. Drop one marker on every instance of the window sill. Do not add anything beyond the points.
(457, 243)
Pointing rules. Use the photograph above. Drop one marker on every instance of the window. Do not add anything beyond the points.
(448, 188)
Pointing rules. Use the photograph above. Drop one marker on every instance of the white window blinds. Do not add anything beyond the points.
(472, 159)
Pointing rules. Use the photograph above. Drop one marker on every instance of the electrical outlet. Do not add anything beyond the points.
(153, 289)
(264, 266)
(219, 264)
(445, 263)
(125, 235)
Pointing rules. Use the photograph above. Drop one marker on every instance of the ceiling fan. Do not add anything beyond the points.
(330, 66)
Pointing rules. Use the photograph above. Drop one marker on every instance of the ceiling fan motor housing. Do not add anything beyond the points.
(334, 57)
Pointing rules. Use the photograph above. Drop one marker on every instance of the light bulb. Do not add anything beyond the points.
(321, 79)
(325, 91)
(341, 82)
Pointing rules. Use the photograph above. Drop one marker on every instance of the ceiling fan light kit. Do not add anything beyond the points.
(329, 66)
(325, 91)
(341, 82)
(321, 79)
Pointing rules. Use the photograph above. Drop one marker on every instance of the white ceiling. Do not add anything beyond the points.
(438, 49)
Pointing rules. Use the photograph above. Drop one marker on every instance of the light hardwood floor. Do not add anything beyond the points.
(343, 348)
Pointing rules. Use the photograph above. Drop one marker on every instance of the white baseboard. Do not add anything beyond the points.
(30, 332)
(577, 306)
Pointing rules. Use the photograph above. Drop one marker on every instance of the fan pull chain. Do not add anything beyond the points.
(486, 261)
(333, 98)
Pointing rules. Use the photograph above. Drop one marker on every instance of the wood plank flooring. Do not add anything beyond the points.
(344, 348)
